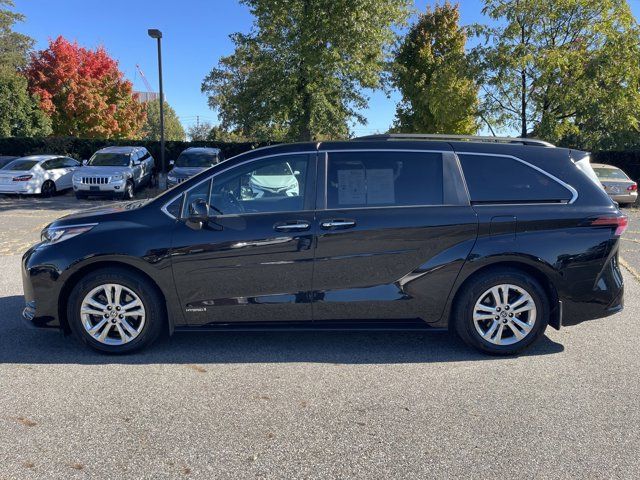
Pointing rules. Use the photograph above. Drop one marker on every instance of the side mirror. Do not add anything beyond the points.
(297, 173)
(198, 214)
(85, 162)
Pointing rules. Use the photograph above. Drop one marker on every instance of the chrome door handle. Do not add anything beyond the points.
(291, 227)
(337, 224)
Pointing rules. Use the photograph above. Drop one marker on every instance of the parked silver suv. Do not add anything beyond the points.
(114, 171)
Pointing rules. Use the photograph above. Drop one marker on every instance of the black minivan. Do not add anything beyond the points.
(493, 238)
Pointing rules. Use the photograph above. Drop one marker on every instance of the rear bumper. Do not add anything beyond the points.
(20, 188)
(625, 198)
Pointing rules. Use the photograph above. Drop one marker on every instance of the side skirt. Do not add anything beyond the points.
(320, 326)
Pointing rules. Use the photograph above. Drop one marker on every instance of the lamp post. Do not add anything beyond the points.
(162, 178)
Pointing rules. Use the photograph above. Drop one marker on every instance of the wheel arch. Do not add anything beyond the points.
(76, 276)
(533, 270)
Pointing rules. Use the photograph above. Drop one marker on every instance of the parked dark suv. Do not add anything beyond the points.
(492, 238)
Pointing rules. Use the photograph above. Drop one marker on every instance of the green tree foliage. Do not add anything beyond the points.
(199, 132)
(432, 72)
(20, 114)
(564, 70)
(173, 129)
(300, 73)
(14, 47)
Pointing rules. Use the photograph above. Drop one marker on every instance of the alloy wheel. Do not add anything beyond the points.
(112, 314)
(504, 314)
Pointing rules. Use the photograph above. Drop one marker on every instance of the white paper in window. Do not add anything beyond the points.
(380, 186)
(351, 187)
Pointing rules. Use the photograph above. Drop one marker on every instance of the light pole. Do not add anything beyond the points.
(162, 178)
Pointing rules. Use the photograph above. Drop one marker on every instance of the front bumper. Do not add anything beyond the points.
(39, 312)
(110, 188)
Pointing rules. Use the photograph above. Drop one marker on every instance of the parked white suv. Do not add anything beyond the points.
(114, 171)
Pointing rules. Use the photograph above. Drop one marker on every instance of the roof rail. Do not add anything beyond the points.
(456, 138)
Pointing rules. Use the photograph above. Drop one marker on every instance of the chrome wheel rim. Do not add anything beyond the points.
(504, 314)
(112, 314)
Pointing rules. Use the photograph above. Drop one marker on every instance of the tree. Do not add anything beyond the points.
(19, 111)
(84, 92)
(432, 72)
(14, 47)
(219, 134)
(565, 70)
(173, 129)
(20, 115)
(300, 73)
(199, 132)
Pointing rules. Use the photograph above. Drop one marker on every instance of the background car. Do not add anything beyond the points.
(114, 171)
(38, 174)
(191, 162)
(616, 183)
(274, 180)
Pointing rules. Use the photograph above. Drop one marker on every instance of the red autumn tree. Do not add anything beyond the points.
(84, 92)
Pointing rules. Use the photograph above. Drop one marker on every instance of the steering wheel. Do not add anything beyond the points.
(230, 200)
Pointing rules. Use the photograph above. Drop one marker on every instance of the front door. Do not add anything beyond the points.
(253, 260)
(395, 230)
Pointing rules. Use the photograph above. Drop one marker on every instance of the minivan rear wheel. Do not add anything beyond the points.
(115, 311)
(501, 312)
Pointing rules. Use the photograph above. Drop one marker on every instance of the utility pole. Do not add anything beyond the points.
(162, 178)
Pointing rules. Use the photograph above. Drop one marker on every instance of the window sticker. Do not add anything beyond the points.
(351, 187)
(380, 186)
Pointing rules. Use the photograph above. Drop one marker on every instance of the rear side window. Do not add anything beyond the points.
(378, 179)
(503, 179)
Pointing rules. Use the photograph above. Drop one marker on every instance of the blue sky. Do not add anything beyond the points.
(196, 34)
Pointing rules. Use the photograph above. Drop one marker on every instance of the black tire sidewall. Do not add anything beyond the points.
(464, 324)
(48, 193)
(155, 317)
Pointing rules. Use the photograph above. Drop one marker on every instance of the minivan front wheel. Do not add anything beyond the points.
(115, 311)
(502, 312)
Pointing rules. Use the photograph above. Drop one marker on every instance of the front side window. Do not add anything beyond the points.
(492, 179)
(271, 185)
(378, 179)
(109, 160)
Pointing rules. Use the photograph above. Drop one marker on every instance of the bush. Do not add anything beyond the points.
(81, 148)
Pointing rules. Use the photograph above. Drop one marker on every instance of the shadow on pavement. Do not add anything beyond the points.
(20, 344)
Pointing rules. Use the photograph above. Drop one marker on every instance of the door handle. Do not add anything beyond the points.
(295, 226)
(337, 224)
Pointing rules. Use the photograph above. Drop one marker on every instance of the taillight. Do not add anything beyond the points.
(22, 178)
(633, 188)
(620, 223)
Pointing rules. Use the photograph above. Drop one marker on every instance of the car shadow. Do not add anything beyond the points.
(21, 344)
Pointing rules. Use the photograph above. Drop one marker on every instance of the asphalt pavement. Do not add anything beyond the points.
(319, 405)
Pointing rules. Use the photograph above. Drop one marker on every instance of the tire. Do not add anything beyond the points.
(477, 298)
(48, 189)
(140, 328)
(129, 191)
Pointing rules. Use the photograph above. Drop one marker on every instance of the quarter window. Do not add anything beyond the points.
(503, 179)
(377, 179)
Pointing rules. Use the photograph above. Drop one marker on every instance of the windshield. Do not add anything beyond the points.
(20, 165)
(613, 173)
(196, 159)
(109, 160)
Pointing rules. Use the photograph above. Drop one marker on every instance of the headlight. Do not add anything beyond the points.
(117, 178)
(172, 178)
(76, 178)
(59, 234)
